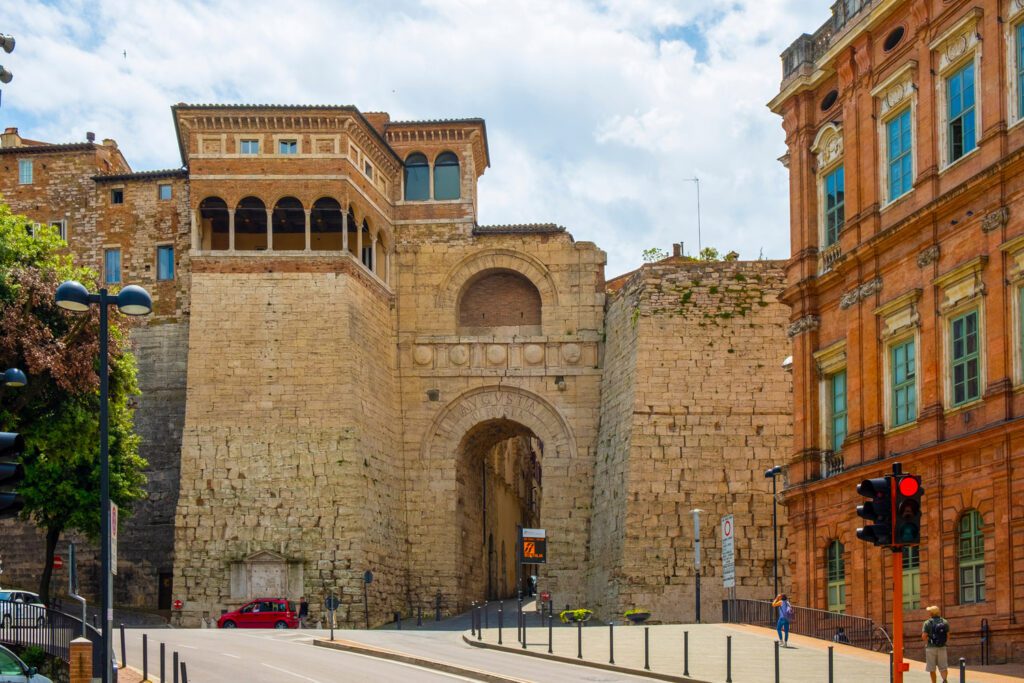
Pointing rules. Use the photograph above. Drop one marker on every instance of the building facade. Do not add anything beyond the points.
(346, 372)
(905, 153)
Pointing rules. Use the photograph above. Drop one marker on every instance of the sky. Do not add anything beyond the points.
(599, 112)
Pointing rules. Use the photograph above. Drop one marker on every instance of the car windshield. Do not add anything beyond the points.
(9, 666)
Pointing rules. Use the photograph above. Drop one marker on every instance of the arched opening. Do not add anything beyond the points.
(326, 225)
(353, 233)
(417, 178)
(499, 301)
(251, 225)
(214, 224)
(447, 180)
(367, 255)
(498, 479)
(289, 225)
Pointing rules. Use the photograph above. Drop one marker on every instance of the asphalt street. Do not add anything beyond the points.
(270, 656)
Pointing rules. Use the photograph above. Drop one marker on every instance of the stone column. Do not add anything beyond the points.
(270, 230)
(196, 244)
(373, 252)
(81, 660)
(359, 243)
(308, 236)
(231, 229)
(344, 230)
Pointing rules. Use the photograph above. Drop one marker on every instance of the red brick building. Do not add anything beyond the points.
(905, 152)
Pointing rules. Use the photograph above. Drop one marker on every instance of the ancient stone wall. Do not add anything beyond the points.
(710, 412)
(288, 449)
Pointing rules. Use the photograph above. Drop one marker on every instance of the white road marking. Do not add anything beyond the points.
(189, 647)
(436, 672)
(228, 654)
(290, 673)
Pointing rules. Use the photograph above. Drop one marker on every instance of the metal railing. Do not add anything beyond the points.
(29, 625)
(816, 623)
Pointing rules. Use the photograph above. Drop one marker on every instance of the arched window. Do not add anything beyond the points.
(251, 225)
(836, 570)
(447, 180)
(289, 225)
(417, 178)
(367, 256)
(499, 298)
(213, 216)
(971, 556)
(326, 225)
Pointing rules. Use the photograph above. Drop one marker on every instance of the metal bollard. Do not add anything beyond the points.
(551, 628)
(398, 620)
(686, 653)
(419, 616)
(124, 659)
(162, 676)
(501, 619)
(174, 663)
(184, 673)
(890, 667)
(145, 657)
(776, 661)
(611, 642)
(647, 649)
(472, 618)
(437, 606)
(963, 670)
(579, 639)
(487, 619)
(479, 629)
(831, 669)
(728, 659)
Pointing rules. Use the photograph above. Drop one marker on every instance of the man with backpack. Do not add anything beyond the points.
(935, 633)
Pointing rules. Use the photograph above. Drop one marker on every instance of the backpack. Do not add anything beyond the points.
(787, 610)
(939, 633)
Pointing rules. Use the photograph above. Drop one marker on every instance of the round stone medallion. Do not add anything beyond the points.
(571, 353)
(422, 355)
(458, 355)
(496, 354)
(533, 353)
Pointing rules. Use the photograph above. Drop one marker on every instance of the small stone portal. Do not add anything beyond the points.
(499, 487)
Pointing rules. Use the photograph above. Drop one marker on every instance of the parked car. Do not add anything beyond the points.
(261, 613)
(21, 608)
(13, 670)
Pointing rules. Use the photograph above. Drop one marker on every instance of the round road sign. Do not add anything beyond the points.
(178, 604)
(331, 603)
(58, 562)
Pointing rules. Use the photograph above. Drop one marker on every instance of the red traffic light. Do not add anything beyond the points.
(909, 486)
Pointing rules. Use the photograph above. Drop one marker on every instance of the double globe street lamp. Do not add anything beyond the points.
(131, 300)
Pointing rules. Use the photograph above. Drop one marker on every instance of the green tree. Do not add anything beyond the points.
(58, 412)
(653, 254)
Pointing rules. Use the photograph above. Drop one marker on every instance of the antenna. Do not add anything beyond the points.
(696, 181)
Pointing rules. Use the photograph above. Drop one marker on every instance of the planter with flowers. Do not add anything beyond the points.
(638, 616)
(574, 615)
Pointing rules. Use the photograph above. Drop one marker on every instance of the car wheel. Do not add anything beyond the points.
(281, 624)
(228, 624)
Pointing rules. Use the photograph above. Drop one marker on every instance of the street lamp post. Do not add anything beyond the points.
(132, 300)
(696, 558)
(771, 474)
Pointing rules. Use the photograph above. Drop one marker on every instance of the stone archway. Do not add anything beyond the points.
(439, 531)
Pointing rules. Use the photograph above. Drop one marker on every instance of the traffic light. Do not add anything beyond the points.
(7, 45)
(907, 524)
(11, 472)
(878, 510)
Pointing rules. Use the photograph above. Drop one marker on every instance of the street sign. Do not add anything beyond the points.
(545, 596)
(113, 538)
(728, 552)
(58, 562)
(178, 604)
(367, 576)
(535, 546)
(331, 603)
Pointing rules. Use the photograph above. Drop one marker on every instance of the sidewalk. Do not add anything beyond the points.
(753, 654)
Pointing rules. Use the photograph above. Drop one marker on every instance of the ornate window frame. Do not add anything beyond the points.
(956, 48)
(830, 361)
(828, 151)
(895, 94)
(900, 322)
(1014, 21)
(961, 290)
(835, 576)
(1014, 250)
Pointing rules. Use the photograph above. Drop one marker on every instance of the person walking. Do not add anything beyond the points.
(303, 612)
(935, 633)
(786, 613)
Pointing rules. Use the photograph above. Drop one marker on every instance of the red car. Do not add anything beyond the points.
(261, 613)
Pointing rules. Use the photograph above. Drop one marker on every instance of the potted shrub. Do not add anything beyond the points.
(638, 616)
(574, 615)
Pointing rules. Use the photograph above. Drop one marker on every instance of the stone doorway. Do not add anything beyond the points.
(498, 474)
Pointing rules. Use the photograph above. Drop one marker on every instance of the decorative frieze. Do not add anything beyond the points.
(453, 356)
(996, 219)
(804, 324)
(961, 284)
(858, 294)
(900, 314)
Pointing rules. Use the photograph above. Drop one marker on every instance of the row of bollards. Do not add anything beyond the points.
(176, 666)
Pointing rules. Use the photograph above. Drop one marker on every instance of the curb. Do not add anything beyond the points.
(580, 662)
(369, 650)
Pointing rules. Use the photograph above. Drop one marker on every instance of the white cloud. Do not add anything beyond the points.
(597, 110)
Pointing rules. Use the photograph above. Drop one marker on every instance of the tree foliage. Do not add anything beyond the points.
(58, 412)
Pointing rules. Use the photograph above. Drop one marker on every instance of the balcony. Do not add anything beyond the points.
(808, 49)
(828, 257)
(831, 464)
